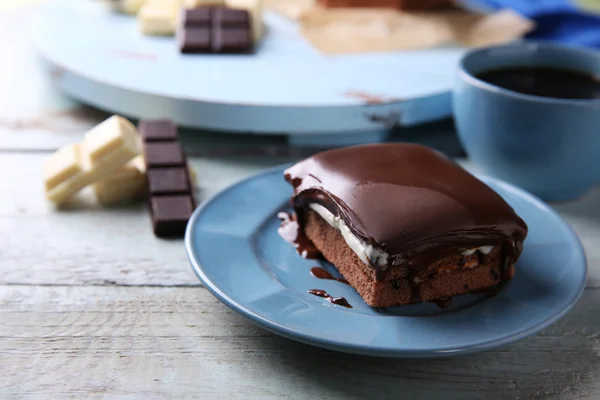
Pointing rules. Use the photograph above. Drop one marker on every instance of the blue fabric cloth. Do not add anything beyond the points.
(556, 20)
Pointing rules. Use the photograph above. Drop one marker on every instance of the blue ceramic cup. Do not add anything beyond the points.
(548, 146)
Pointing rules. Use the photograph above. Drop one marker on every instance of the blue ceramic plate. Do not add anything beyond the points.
(235, 250)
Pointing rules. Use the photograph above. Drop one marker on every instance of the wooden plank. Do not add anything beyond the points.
(127, 343)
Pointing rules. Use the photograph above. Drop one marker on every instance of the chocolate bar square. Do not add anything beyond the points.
(170, 214)
(232, 40)
(229, 17)
(195, 40)
(158, 129)
(168, 181)
(215, 30)
(163, 154)
(201, 16)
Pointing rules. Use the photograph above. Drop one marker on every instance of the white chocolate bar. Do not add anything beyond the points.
(254, 8)
(126, 184)
(159, 18)
(105, 148)
(200, 3)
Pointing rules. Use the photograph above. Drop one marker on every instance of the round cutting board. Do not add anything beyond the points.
(99, 57)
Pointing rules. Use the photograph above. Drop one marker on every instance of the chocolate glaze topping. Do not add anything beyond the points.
(408, 200)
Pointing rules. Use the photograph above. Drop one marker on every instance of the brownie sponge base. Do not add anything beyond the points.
(445, 278)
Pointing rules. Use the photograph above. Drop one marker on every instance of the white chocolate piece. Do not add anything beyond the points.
(65, 173)
(115, 138)
(200, 3)
(109, 146)
(62, 165)
(159, 18)
(254, 8)
(126, 184)
(105, 148)
(130, 7)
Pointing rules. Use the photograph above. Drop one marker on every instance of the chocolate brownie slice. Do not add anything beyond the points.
(404, 224)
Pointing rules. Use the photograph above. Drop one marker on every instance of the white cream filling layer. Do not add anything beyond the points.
(482, 249)
(367, 253)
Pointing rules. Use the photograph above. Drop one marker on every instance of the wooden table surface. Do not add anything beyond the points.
(92, 305)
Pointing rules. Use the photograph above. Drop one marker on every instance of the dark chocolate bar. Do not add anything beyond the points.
(171, 196)
(213, 29)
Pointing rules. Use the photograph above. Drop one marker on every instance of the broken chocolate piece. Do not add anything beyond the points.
(215, 30)
(169, 186)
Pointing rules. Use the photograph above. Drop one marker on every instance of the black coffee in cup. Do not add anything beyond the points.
(546, 82)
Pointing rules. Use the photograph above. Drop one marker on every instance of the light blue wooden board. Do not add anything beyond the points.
(100, 58)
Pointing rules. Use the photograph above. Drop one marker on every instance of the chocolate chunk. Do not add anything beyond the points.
(170, 214)
(163, 154)
(157, 130)
(168, 181)
(215, 30)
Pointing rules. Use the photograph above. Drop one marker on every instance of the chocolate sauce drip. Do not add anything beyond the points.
(407, 200)
(340, 301)
(290, 231)
(321, 273)
(443, 302)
